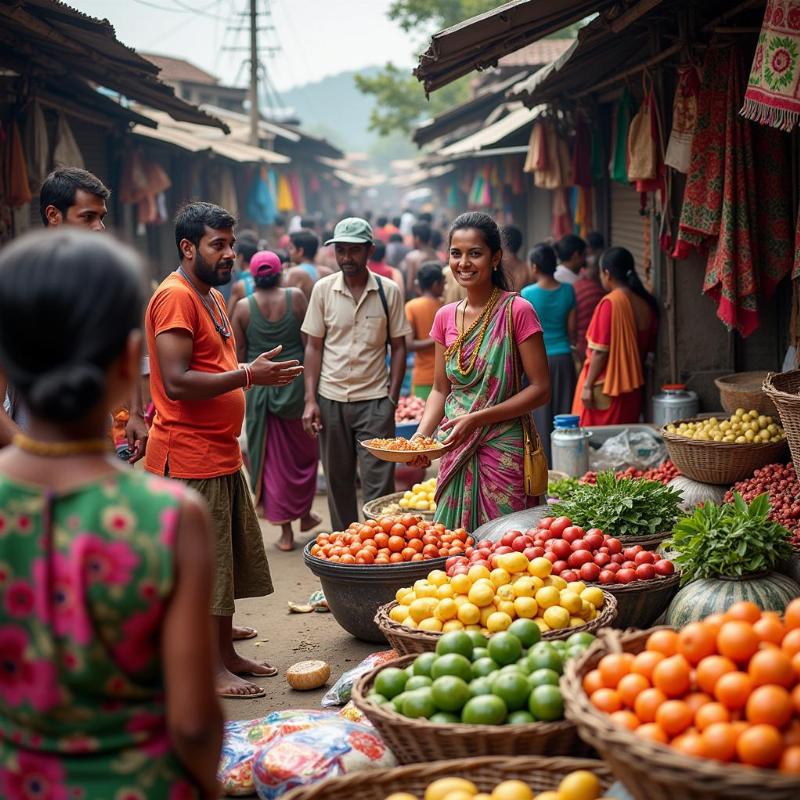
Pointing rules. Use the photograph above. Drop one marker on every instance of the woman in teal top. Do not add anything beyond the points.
(554, 303)
(283, 458)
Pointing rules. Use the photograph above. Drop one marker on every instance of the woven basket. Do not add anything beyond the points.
(416, 740)
(720, 463)
(372, 509)
(653, 771)
(540, 773)
(648, 542)
(641, 603)
(783, 389)
(745, 390)
(410, 640)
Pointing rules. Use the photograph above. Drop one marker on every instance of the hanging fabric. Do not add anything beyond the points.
(285, 201)
(37, 145)
(582, 153)
(642, 154)
(583, 211)
(228, 197)
(66, 153)
(562, 220)
(15, 188)
(549, 177)
(773, 92)
(599, 165)
(623, 113)
(684, 118)
(536, 157)
(260, 205)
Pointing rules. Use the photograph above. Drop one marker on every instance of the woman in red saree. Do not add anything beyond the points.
(621, 334)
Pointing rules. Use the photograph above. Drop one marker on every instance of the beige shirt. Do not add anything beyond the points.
(354, 351)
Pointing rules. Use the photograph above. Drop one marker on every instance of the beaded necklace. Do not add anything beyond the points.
(221, 327)
(61, 449)
(458, 345)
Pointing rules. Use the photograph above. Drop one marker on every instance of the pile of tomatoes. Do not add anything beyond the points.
(391, 540)
(725, 688)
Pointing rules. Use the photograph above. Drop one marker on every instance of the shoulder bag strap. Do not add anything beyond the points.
(385, 305)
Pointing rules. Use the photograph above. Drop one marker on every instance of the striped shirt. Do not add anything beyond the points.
(588, 294)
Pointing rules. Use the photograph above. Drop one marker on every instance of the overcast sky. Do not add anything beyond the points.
(317, 37)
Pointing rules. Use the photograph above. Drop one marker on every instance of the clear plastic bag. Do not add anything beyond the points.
(339, 693)
(641, 449)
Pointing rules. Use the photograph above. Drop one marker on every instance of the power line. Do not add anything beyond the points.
(183, 9)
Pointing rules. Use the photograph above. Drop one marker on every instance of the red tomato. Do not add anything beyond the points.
(645, 572)
(626, 576)
(613, 567)
(645, 557)
(606, 576)
(589, 572)
(418, 557)
(561, 548)
(469, 550)
(630, 552)
(548, 534)
(579, 544)
(444, 551)
(628, 564)
(569, 575)
(508, 538)
(545, 523)
(498, 551)
(596, 532)
(579, 557)
(532, 552)
(601, 559)
(559, 525)
(430, 550)
(550, 555)
(460, 569)
(617, 558)
(559, 567)
(521, 542)
(594, 541)
(664, 567)
(613, 545)
(571, 533)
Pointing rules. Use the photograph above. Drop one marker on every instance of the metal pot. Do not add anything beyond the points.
(674, 402)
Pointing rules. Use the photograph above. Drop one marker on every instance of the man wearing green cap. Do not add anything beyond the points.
(352, 316)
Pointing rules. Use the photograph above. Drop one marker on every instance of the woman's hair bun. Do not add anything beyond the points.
(65, 393)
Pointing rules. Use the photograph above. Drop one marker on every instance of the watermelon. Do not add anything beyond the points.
(770, 591)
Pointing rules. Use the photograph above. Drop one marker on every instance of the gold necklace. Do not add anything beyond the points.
(458, 345)
(60, 449)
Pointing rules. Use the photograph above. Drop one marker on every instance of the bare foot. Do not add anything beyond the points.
(286, 542)
(242, 632)
(240, 665)
(309, 521)
(229, 685)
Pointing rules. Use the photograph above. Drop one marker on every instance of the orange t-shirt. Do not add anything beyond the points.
(420, 312)
(192, 438)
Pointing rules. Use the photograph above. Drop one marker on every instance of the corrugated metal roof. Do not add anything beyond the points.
(178, 69)
(535, 55)
(492, 134)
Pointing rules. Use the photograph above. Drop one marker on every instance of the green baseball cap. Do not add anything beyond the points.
(352, 230)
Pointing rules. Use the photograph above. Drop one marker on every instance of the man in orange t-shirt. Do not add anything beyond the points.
(197, 388)
(420, 313)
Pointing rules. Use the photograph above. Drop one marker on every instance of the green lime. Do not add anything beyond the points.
(484, 710)
(483, 667)
(418, 682)
(576, 651)
(584, 639)
(543, 677)
(390, 682)
(409, 670)
(423, 664)
(526, 630)
(397, 702)
(541, 658)
(450, 693)
(478, 639)
(454, 642)
(520, 718)
(546, 703)
(444, 718)
(479, 652)
(505, 648)
(376, 698)
(452, 664)
(479, 687)
(512, 688)
(558, 645)
(419, 703)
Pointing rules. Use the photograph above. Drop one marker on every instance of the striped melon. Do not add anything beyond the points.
(770, 591)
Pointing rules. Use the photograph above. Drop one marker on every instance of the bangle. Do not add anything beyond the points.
(248, 377)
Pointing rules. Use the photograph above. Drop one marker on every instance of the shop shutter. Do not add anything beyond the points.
(627, 224)
(93, 141)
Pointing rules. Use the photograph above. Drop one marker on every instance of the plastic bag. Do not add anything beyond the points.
(339, 693)
(641, 449)
(332, 747)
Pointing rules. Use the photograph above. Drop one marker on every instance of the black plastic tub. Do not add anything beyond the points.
(355, 591)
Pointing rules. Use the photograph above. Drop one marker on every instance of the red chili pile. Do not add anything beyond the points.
(780, 482)
(663, 473)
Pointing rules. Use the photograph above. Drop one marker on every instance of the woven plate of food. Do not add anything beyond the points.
(403, 451)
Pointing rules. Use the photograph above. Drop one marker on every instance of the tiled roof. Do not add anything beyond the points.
(537, 54)
(174, 70)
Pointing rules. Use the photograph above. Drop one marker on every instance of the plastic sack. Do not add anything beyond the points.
(353, 713)
(333, 747)
(641, 449)
(339, 693)
(242, 738)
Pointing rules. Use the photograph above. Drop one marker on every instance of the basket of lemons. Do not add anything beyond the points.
(419, 499)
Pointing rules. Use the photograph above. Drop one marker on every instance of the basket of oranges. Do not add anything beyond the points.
(708, 712)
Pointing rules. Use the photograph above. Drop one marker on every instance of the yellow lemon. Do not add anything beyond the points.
(571, 601)
(557, 581)
(430, 624)
(425, 589)
(579, 785)
(576, 586)
(498, 622)
(398, 613)
(409, 622)
(482, 796)
(460, 583)
(400, 594)
(507, 607)
(537, 583)
(547, 596)
(438, 790)
(469, 613)
(576, 622)
(526, 607)
(421, 608)
(445, 590)
(548, 796)
(476, 628)
(543, 626)
(401, 796)
(460, 599)
(594, 595)
(476, 572)
(437, 577)
(556, 617)
(512, 562)
(422, 505)
(487, 612)
(499, 577)
(447, 609)
(505, 592)
(524, 587)
(481, 594)
(512, 790)
(540, 567)
(586, 609)
(452, 625)
(408, 598)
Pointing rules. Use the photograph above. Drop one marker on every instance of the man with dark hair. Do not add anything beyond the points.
(246, 247)
(422, 252)
(380, 267)
(309, 223)
(420, 313)
(595, 244)
(396, 250)
(571, 251)
(516, 269)
(73, 196)
(279, 238)
(303, 273)
(197, 387)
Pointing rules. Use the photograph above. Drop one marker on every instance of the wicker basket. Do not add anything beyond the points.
(653, 771)
(540, 773)
(416, 740)
(372, 509)
(410, 640)
(783, 389)
(745, 390)
(641, 603)
(720, 463)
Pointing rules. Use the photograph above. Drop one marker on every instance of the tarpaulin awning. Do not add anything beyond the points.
(421, 175)
(517, 119)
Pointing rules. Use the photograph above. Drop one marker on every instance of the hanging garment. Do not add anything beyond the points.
(228, 197)
(133, 182)
(599, 164)
(642, 153)
(37, 145)
(15, 190)
(261, 207)
(66, 153)
(583, 211)
(536, 158)
(582, 154)
(684, 118)
(773, 92)
(550, 176)
(562, 219)
(285, 200)
(623, 113)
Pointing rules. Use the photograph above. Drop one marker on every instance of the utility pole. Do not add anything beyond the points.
(254, 117)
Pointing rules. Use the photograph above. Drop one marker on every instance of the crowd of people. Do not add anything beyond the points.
(301, 343)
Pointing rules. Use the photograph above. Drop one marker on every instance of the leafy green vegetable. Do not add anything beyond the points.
(622, 506)
(730, 540)
(562, 489)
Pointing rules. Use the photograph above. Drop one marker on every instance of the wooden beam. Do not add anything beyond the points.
(632, 14)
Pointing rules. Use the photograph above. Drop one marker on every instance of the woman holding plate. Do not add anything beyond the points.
(490, 373)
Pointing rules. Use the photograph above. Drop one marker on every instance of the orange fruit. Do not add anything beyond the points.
(791, 736)
(664, 641)
(770, 628)
(796, 664)
(613, 667)
(791, 642)
(710, 669)
(709, 714)
(607, 700)
(771, 666)
(690, 743)
(653, 732)
(771, 705)
(796, 699)
(696, 700)
(791, 616)
(714, 621)
(737, 640)
(674, 717)
(790, 761)
(696, 641)
(644, 663)
(760, 746)
(719, 739)
(631, 686)
(647, 704)
(673, 676)
(627, 719)
(733, 689)
(743, 610)
(592, 681)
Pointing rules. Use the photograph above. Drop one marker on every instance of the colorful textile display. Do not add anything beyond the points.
(260, 204)
(285, 199)
(562, 218)
(623, 113)
(684, 118)
(773, 92)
